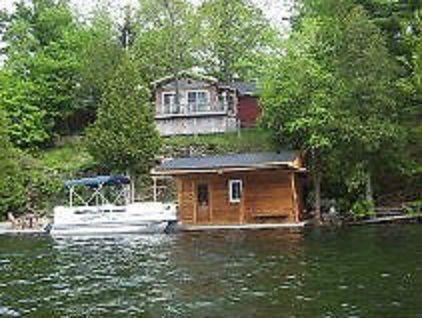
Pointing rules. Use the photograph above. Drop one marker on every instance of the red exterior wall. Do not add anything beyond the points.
(248, 111)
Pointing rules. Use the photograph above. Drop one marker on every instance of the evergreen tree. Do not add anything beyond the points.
(367, 72)
(124, 137)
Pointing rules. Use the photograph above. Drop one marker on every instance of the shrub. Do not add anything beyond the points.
(362, 209)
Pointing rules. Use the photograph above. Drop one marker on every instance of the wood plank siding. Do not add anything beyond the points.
(268, 196)
(248, 111)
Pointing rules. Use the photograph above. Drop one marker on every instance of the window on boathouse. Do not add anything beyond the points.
(235, 190)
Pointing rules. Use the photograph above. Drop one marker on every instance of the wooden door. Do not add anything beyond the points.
(203, 212)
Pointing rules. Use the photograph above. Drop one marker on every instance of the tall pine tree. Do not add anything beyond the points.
(124, 137)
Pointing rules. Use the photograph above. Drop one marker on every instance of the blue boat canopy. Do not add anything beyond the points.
(95, 182)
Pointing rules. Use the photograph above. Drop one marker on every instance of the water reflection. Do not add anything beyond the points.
(359, 272)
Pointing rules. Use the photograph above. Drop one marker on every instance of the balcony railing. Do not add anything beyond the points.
(192, 109)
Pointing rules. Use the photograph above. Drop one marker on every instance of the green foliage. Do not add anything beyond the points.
(335, 90)
(299, 96)
(253, 140)
(11, 179)
(124, 136)
(99, 57)
(42, 70)
(166, 38)
(235, 38)
(18, 98)
(362, 209)
(414, 207)
(68, 157)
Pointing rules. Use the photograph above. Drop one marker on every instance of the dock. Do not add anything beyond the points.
(6, 228)
(252, 226)
(391, 219)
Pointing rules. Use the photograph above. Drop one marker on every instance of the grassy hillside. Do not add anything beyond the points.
(68, 156)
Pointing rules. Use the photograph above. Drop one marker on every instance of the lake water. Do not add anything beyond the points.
(354, 272)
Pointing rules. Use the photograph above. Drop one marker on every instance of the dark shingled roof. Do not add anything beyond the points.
(228, 161)
(246, 88)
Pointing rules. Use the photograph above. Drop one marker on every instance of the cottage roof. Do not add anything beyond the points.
(185, 73)
(232, 162)
(246, 88)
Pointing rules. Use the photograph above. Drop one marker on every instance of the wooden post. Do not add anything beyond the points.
(294, 198)
(242, 203)
(195, 203)
(180, 187)
(210, 201)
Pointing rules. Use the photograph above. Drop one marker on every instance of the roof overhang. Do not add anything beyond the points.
(288, 166)
(98, 181)
(188, 74)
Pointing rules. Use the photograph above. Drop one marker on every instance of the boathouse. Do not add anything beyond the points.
(248, 188)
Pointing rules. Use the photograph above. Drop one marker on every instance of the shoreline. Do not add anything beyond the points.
(6, 227)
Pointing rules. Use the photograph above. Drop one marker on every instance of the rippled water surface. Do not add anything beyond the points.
(355, 272)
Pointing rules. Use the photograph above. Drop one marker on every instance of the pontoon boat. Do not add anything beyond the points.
(100, 215)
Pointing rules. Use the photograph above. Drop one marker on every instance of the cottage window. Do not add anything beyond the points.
(203, 194)
(169, 103)
(235, 190)
(197, 101)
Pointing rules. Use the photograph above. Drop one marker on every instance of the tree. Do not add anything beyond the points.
(367, 70)
(12, 190)
(100, 57)
(43, 43)
(235, 37)
(299, 101)
(166, 38)
(376, 48)
(19, 100)
(334, 90)
(124, 137)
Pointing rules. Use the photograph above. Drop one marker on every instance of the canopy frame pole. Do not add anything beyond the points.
(71, 196)
(119, 195)
(154, 187)
(97, 194)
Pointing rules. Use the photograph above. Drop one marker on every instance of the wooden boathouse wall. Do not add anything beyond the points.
(268, 196)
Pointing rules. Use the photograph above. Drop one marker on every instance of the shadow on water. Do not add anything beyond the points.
(356, 272)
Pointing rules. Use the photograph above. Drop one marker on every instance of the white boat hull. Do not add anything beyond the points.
(148, 217)
(100, 229)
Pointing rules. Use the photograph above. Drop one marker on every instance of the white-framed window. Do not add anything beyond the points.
(197, 100)
(169, 102)
(235, 190)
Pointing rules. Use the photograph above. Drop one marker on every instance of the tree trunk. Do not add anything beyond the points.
(369, 190)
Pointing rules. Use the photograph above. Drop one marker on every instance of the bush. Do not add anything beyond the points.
(362, 209)
(414, 207)
(12, 191)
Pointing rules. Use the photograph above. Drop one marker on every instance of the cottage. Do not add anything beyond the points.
(238, 189)
(204, 105)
